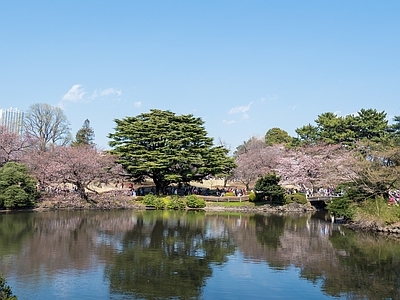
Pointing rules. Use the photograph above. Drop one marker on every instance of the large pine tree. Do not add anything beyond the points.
(168, 148)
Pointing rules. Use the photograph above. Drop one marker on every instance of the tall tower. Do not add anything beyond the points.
(12, 119)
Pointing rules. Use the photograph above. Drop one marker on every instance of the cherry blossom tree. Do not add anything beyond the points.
(313, 166)
(79, 166)
(256, 162)
(12, 146)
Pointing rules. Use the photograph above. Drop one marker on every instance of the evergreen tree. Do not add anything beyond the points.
(277, 136)
(270, 188)
(167, 148)
(85, 135)
(5, 290)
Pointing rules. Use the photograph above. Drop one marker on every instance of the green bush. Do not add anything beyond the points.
(153, 200)
(17, 187)
(229, 194)
(270, 188)
(341, 207)
(192, 201)
(176, 202)
(297, 197)
(149, 199)
(252, 197)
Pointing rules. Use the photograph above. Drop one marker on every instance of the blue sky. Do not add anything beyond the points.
(244, 67)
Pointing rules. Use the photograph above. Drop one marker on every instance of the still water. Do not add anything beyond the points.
(193, 255)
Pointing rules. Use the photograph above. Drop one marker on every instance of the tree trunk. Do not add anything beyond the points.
(81, 191)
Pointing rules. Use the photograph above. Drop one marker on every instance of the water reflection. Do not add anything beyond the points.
(154, 255)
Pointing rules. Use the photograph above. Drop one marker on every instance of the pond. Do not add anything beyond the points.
(193, 255)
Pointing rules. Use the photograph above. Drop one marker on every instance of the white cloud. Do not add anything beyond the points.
(75, 93)
(241, 110)
(229, 122)
(137, 104)
(110, 91)
(105, 92)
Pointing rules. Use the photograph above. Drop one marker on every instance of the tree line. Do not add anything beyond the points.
(357, 154)
(358, 151)
(160, 145)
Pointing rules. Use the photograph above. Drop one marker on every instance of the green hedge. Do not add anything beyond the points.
(297, 197)
(192, 201)
(174, 202)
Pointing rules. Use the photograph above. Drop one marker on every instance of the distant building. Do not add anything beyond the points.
(12, 119)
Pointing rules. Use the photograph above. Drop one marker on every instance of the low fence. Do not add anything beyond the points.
(225, 198)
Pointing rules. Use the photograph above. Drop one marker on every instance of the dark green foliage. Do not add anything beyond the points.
(168, 149)
(307, 134)
(192, 201)
(17, 187)
(368, 124)
(394, 129)
(5, 290)
(297, 197)
(270, 188)
(341, 207)
(277, 136)
(84, 136)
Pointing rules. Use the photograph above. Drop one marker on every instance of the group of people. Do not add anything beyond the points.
(184, 190)
(394, 197)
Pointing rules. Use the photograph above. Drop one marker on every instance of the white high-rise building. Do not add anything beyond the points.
(12, 118)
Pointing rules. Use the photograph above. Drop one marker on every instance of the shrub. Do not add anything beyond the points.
(192, 201)
(252, 197)
(229, 194)
(341, 207)
(297, 197)
(153, 200)
(17, 187)
(176, 202)
(149, 199)
(270, 188)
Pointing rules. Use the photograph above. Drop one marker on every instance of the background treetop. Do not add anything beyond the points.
(48, 125)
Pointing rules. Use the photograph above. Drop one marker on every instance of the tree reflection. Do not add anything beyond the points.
(370, 267)
(269, 229)
(14, 229)
(167, 258)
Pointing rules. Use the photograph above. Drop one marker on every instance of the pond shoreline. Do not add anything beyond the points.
(118, 200)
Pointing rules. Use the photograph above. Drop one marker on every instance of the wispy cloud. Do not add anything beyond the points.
(242, 110)
(229, 122)
(105, 93)
(75, 93)
(261, 100)
(137, 104)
